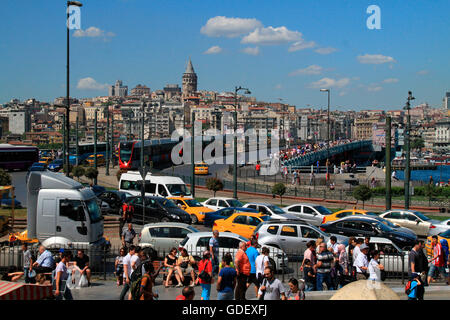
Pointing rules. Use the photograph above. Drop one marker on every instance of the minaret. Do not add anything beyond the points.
(189, 80)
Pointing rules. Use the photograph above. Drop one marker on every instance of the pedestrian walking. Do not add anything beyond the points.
(118, 266)
(375, 267)
(271, 288)
(226, 281)
(27, 264)
(323, 267)
(243, 268)
(412, 286)
(252, 253)
(205, 275)
(127, 269)
(146, 285)
(61, 275)
(438, 262)
(344, 263)
(361, 263)
(128, 236)
(261, 262)
(309, 276)
(214, 250)
(258, 169)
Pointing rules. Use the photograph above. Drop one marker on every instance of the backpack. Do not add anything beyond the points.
(135, 289)
(408, 287)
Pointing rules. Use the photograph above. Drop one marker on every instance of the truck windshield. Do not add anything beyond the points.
(94, 210)
(178, 189)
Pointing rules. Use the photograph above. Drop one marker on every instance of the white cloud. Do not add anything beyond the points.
(390, 80)
(423, 72)
(313, 69)
(93, 32)
(329, 82)
(272, 36)
(229, 27)
(90, 84)
(374, 59)
(213, 50)
(374, 88)
(327, 50)
(251, 51)
(301, 45)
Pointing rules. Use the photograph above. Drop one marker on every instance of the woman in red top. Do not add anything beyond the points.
(205, 265)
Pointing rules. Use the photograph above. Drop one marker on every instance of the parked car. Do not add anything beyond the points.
(193, 207)
(243, 224)
(311, 213)
(157, 209)
(220, 203)
(163, 236)
(443, 235)
(291, 236)
(111, 201)
(100, 160)
(440, 227)
(366, 226)
(271, 210)
(195, 243)
(56, 165)
(411, 219)
(345, 213)
(224, 213)
(45, 160)
(7, 202)
(201, 168)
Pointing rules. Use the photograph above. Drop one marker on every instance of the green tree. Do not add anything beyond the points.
(78, 172)
(417, 143)
(5, 178)
(362, 193)
(214, 185)
(431, 191)
(279, 189)
(91, 173)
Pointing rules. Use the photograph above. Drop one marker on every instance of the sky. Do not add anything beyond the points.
(286, 49)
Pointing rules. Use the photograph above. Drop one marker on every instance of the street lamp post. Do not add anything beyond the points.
(236, 90)
(78, 4)
(95, 143)
(107, 140)
(76, 142)
(192, 154)
(407, 149)
(328, 129)
(112, 147)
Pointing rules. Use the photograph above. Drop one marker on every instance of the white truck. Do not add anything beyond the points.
(63, 213)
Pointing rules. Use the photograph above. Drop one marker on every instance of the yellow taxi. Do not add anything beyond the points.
(45, 160)
(201, 168)
(195, 209)
(429, 246)
(243, 224)
(345, 213)
(100, 160)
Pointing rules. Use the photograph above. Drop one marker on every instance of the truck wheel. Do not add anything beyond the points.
(194, 219)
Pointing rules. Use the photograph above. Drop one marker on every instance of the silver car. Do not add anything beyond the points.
(411, 219)
(439, 227)
(164, 236)
(291, 236)
(309, 212)
(271, 210)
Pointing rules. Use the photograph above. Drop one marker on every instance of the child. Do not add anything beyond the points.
(415, 281)
(310, 277)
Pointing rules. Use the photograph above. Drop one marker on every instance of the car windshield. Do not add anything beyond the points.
(421, 216)
(192, 229)
(388, 223)
(94, 210)
(323, 210)
(445, 234)
(193, 203)
(166, 203)
(178, 189)
(383, 227)
(37, 168)
(235, 203)
(371, 214)
(276, 209)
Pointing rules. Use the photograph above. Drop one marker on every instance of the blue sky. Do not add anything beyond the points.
(149, 42)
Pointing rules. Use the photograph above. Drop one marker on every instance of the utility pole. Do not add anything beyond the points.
(112, 148)
(388, 164)
(95, 144)
(143, 171)
(76, 141)
(192, 154)
(64, 141)
(407, 149)
(107, 140)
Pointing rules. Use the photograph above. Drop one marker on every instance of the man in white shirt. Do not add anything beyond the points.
(127, 269)
(333, 245)
(361, 263)
(261, 262)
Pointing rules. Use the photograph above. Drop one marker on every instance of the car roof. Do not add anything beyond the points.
(205, 234)
(288, 221)
(220, 198)
(167, 224)
(305, 204)
(180, 198)
(355, 217)
(261, 204)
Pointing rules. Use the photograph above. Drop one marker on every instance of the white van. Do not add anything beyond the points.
(162, 186)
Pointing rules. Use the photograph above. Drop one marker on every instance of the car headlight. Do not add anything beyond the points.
(174, 216)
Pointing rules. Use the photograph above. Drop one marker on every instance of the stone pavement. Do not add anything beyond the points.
(108, 290)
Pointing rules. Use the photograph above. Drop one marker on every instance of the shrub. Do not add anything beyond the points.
(362, 193)
(214, 185)
(5, 178)
(78, 172)
(279, 189)
(91, 173)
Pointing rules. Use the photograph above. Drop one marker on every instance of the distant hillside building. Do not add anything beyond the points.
(118, 90)
(140, 90)
(189, 80)
(19, 121)
(171, 91)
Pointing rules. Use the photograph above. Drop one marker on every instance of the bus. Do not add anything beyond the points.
(17, 157)
(84, 151)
